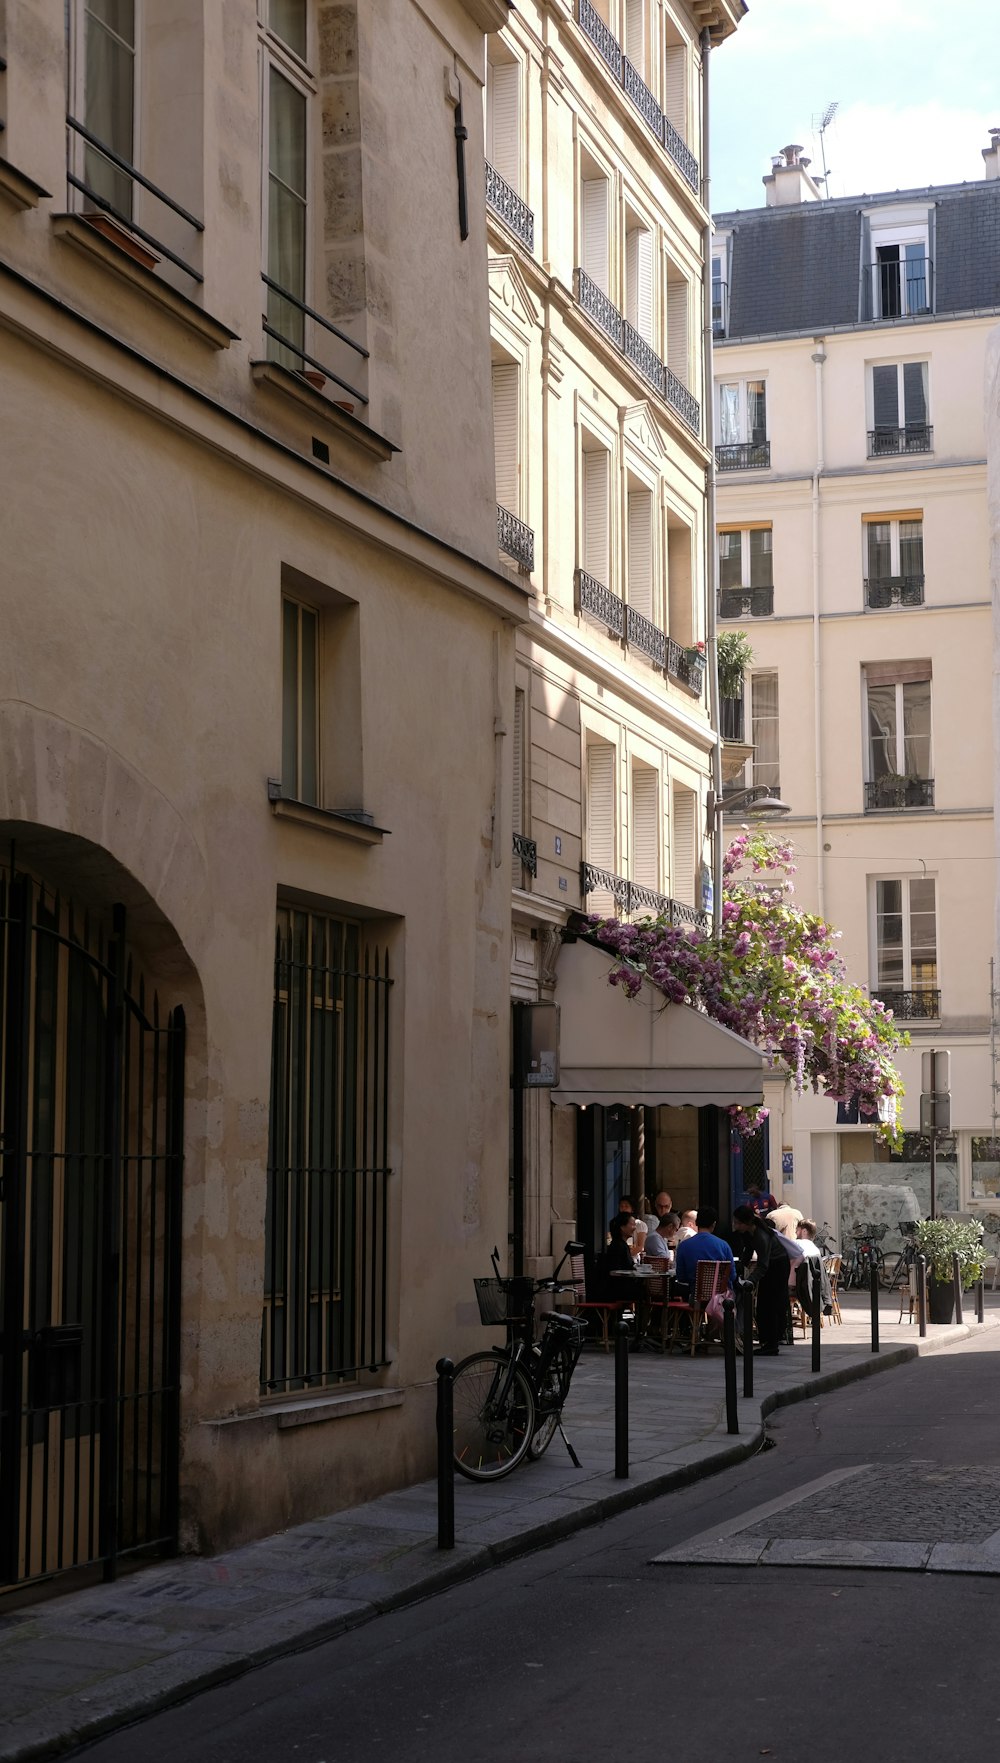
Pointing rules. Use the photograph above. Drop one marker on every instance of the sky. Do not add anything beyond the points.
(916, 82)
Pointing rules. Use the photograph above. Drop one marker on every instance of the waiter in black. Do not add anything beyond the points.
(770, 1273)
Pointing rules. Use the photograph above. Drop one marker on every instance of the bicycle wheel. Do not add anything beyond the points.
(548, 1405)
(494, 1416)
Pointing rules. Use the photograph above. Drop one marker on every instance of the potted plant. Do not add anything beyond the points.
(735, 656)
(940, 1239)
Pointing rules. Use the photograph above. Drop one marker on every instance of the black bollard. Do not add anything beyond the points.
(922, 1292)
(747, 1308)
(446, 1454)
(956, 1274)
(980, 1299)
(817, 1309)
(873, 1286)
(621, 1401)
(729, 1345)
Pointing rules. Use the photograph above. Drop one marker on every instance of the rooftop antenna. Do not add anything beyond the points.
(824, 123)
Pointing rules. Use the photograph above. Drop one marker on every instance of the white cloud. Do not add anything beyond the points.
(873, 147)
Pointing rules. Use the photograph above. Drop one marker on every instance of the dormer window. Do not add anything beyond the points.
(899, 270)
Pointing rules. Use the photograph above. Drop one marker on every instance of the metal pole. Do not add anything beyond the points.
(922, 1292)
(956, 1274)
(621, 1401)
(446, 1453)
(729, 1344)
(747, 1298)
(517, 1142)
(873, 1288)
(817, 1311)
(980, 1299)
(933, 1139)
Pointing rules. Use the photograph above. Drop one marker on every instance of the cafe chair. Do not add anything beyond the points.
(712, 1279)
(658, 1293)
(584, 1308)
(833, 1266)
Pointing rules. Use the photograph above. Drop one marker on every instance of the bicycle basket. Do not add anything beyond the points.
(503, 1300)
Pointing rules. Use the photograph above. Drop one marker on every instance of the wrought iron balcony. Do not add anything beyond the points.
(627, 76)
(645, 636)
(732, 720)
(746, 602)
(901, 289)
(742, 455)
(894, 793)
(508, 205)
(635, 347)
(597, 306)
(720, 308)
(680, 399)
(597, 600)
(916, 437)
(893, 590)
(527, 851)
(632, 897)
(912, 1006)
(686, 665)
(95, 204)
(515, 539)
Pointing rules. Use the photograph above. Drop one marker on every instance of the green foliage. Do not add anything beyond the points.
(941, 1238)
(735, 656)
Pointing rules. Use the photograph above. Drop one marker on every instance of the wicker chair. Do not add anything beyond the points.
(711, 1278)
(600, 1309)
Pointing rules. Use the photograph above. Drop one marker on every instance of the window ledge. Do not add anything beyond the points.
(342, 822)
(313, 1410)
(276, 378)
(76, 230)
(19, 188)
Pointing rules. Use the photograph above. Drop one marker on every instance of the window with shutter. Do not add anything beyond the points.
(683, 846)
(639, 280)
(502, 107)
(680, 594)
(594, 231)
(596, 545)
(885, 397)
(914, 393)
(675, 78)
(640, 548)
(645, 827)
(517, 805)
(764, 727)
(677, 325)
(600, 819)
(635, 34)
(505, 434)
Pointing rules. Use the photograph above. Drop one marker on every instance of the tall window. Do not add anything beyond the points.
(676, 62)
(635, 35)
(327, 1164)
(599, 816)
(505, 434)
(901, 273)
(640, 548)
(898, 708)
(906, 969)
(287, 92)
(503, 91)
(680, 587)
(678, 342)
(645, 826)
(894, 560)
(639, 278)
(594, 225)
(765, 766)
(742, 413)
(299, 702)
(106, 92)
(596, 474)
(746, 580)
(682, 845)
(899, 409)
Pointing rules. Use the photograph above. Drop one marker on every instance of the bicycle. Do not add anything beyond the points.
(863, 1256)
(508, 1401)
(824, 1239)
(907, 1256)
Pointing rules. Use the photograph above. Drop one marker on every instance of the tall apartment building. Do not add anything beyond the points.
(597, 239)
(254, 873)
(853, 549)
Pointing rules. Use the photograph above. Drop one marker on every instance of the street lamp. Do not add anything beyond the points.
(759, 800)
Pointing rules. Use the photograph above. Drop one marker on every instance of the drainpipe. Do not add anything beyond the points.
(819, 357)
(711, 548)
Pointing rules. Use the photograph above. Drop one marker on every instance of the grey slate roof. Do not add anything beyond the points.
(799, 268)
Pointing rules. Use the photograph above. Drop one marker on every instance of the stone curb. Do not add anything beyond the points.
(720, 1451)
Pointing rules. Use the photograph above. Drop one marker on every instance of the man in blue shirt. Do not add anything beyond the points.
(703, 1246)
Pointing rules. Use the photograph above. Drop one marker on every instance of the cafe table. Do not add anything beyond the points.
(637, 1281)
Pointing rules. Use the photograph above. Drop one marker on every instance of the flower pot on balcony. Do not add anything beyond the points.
(125, 241)
(314, 378)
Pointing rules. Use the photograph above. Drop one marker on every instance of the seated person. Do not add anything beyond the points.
(805, 1231)
(660, 1240)
(688, 1226)
(617, 1255)
(703, 1246)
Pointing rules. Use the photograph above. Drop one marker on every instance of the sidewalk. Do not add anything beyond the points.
(84, 1663)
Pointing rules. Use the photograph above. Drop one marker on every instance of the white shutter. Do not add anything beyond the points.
(596, 549)
(645, 826)
(594, 231)
(601, 820)
(505, 434)
(683, 878)
(677, 329)
(502, 121)
(517, 807)
(675, 86)
(639, 281)
(764, 728)
(635, 35)
(640, 551)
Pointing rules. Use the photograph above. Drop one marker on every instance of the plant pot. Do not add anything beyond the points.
(314, 378)
(125, 241)
(941, 1300)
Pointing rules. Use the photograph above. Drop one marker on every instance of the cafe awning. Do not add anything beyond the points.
(615, 1049)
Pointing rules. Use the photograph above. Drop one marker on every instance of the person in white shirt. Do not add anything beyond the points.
(688, 1227)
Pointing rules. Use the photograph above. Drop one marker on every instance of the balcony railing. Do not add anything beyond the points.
(94, 199)
(746, 602)
(597, 600)
(597, 306)
(636, 89)
(526, 851)
(732, 719)
(508, 205)
(680, 399)
(282, 297)
(895, 793)
(515, 539)
(742, 455)
(720, 308)
(635, 347)
(901, 289)
(595, 303)
(916, 437)
(912, 1006)
(686, 665)
(631, 897)
(893, 590)
(642, 634)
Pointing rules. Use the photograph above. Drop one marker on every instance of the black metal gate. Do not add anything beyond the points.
(91, 1117)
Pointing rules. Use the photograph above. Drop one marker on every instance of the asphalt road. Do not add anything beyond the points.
(587, 1652)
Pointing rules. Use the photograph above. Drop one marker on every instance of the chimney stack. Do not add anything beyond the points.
(991, 155)
(789, 181)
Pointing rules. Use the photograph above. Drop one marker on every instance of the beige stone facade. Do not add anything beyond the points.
(257, 659)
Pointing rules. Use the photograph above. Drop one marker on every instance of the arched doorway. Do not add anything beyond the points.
(91, 1134)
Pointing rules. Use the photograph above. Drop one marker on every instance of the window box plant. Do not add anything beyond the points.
(940, 1239)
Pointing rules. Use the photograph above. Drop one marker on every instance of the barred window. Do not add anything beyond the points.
(327, 1175)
